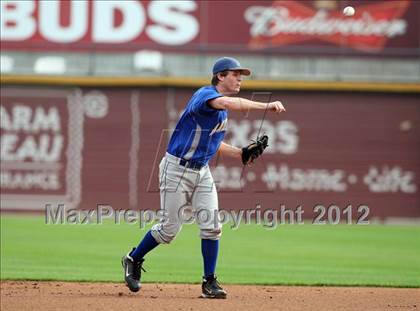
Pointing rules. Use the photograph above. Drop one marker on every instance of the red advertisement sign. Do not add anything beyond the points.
(305, 27)
(37, 132)
(289, 22)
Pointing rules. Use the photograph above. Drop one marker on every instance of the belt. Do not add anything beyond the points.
(190, 164)
(186, 163)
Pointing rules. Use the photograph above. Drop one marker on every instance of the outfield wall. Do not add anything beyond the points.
(102, 145)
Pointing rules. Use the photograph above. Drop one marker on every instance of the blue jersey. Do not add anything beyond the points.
(200, 130)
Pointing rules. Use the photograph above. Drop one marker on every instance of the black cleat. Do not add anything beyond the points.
(132, 272)
(212, 289)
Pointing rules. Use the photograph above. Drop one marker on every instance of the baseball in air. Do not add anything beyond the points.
(349, 11)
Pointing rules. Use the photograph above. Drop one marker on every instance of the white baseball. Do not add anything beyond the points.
(349, 11)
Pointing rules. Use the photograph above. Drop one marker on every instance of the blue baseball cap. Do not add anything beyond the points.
(229, 63)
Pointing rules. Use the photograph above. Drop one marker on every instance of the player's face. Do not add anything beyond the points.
(232, 82)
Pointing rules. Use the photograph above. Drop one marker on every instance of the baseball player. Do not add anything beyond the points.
(185, 179)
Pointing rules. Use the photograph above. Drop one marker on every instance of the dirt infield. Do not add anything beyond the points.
(31, 295)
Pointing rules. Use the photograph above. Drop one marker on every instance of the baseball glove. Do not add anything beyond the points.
(254, 150)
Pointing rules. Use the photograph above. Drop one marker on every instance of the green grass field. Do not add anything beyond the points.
(370, 255)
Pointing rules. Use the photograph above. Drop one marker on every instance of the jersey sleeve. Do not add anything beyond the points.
(201, 104)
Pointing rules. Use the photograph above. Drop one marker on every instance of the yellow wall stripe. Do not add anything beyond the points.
(197, 82)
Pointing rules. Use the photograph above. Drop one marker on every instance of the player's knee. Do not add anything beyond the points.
(168, 237)
(211, 234)
(165, 234)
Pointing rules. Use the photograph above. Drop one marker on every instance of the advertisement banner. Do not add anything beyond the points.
(297, 27)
